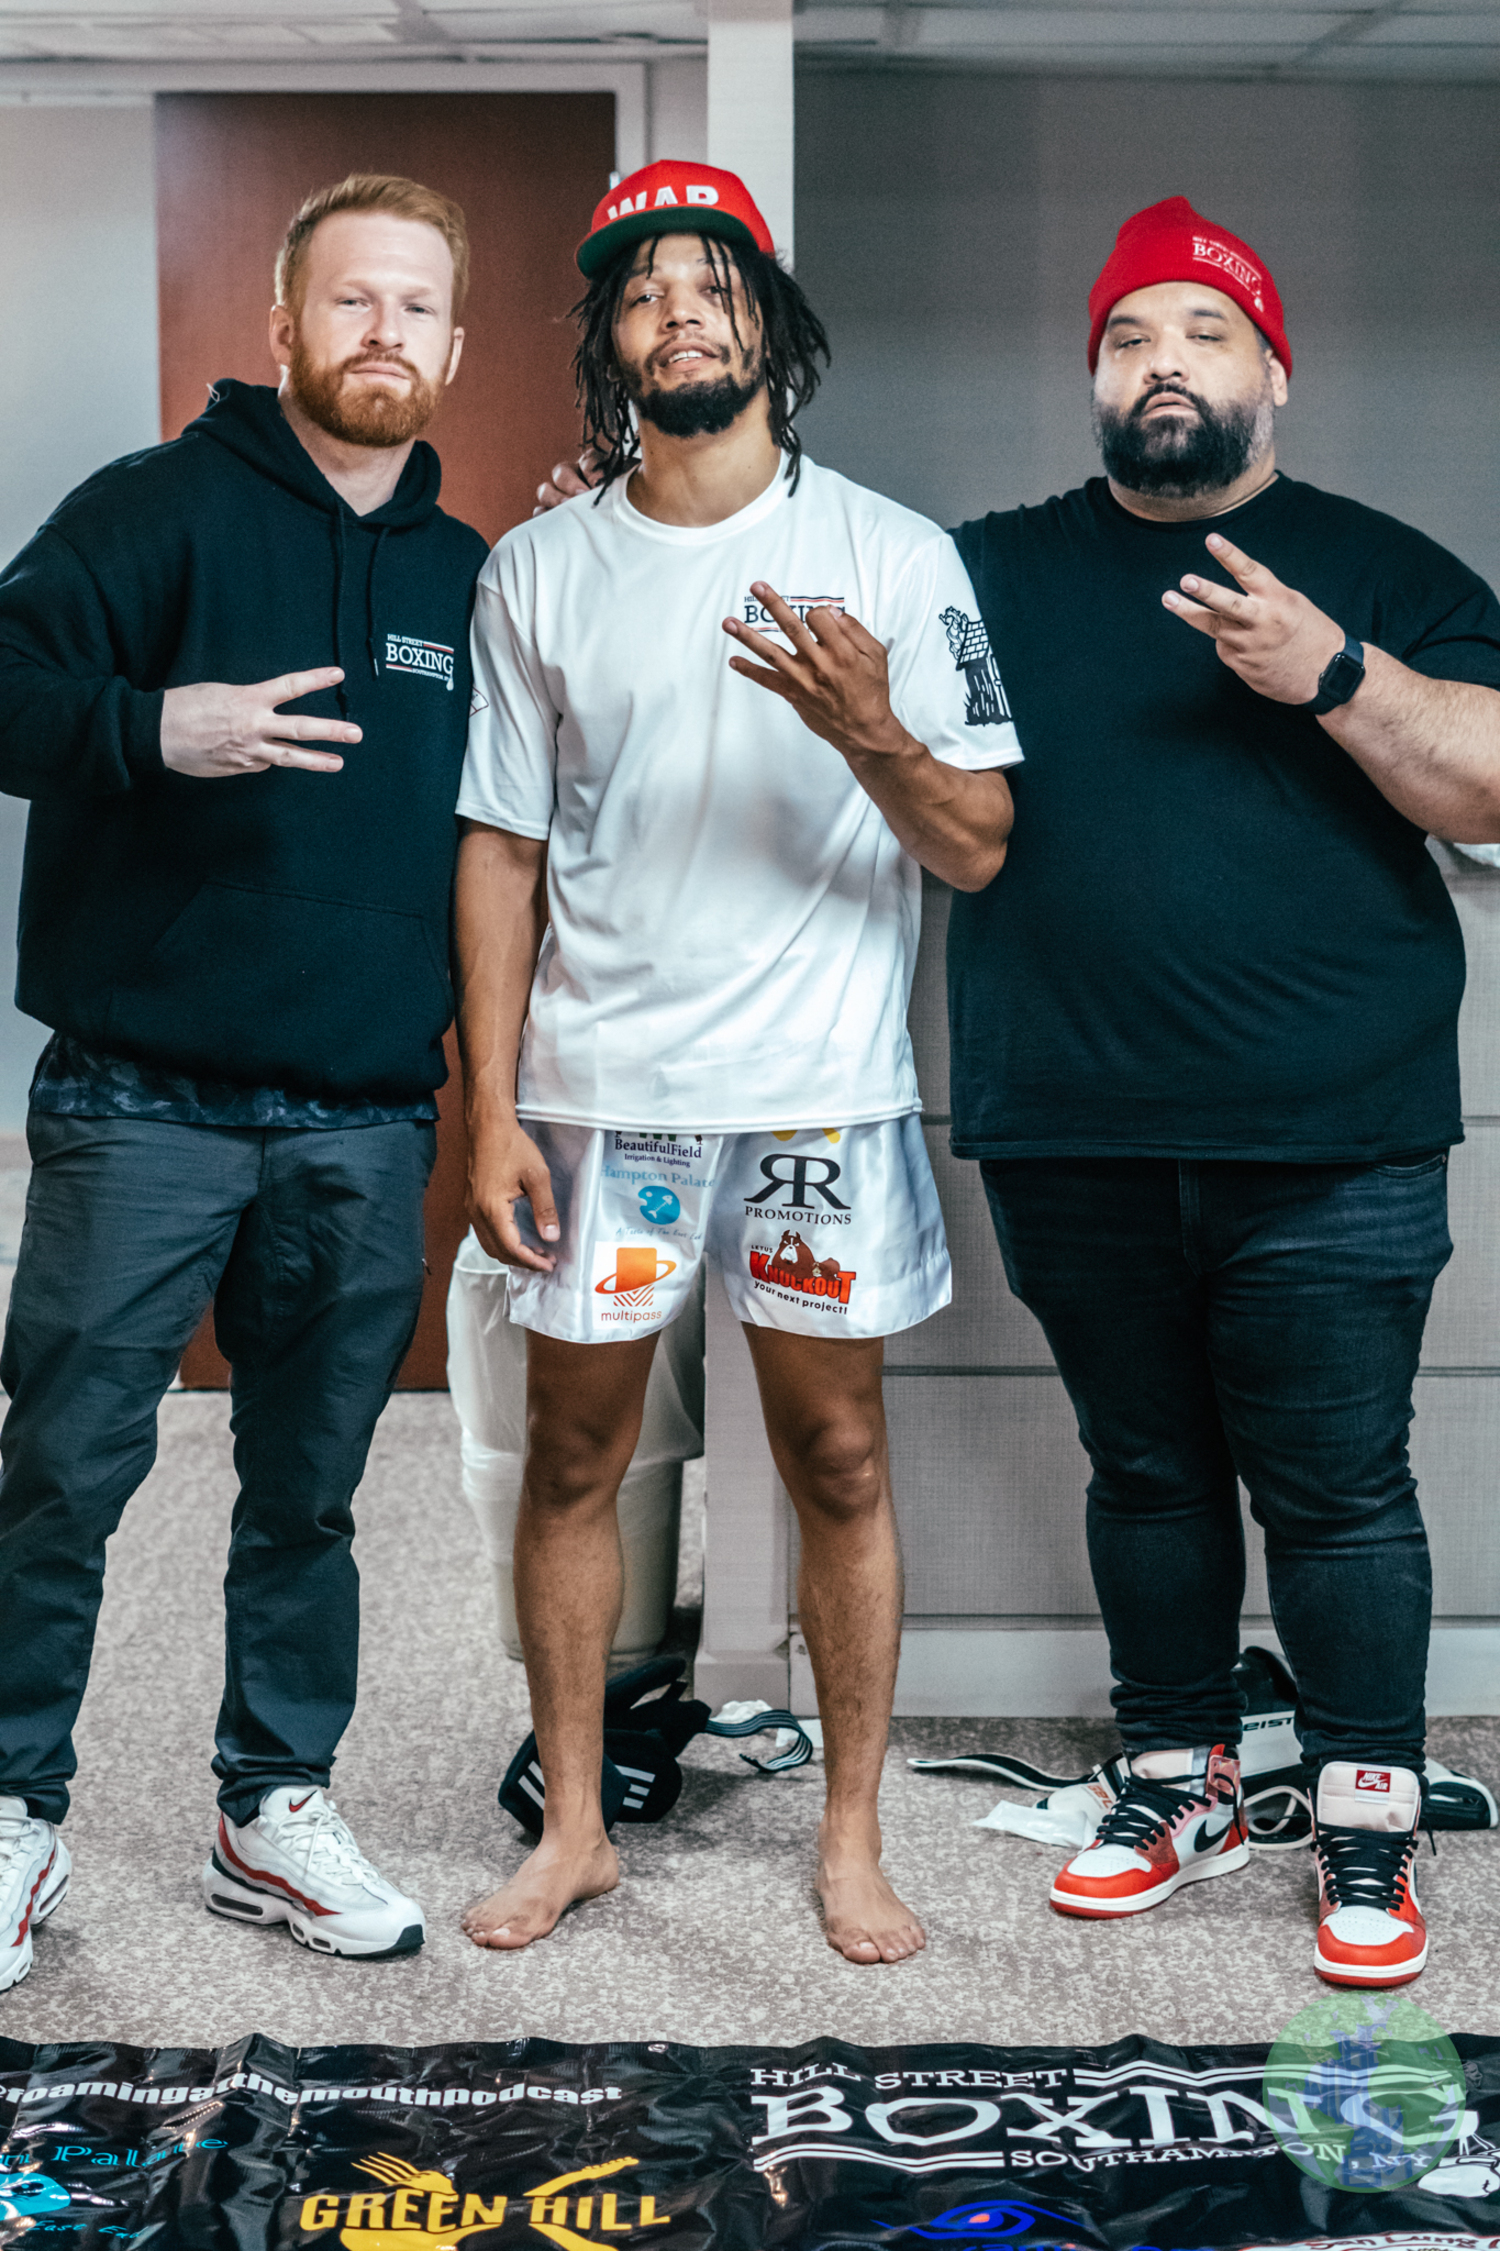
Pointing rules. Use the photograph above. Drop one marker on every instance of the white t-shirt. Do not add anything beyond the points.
(733, 925)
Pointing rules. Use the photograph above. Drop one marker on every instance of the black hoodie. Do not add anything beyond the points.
(284, 928)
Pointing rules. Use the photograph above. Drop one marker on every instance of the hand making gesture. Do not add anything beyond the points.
(1272, 636)
(834, 676)
(1431, 746)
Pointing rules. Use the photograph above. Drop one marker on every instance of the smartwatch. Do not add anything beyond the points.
(1339, 678)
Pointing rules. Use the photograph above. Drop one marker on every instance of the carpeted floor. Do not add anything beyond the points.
(713, 1937)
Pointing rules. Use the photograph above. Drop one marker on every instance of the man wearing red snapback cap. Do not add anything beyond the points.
(687, 918)
(1204, 1048)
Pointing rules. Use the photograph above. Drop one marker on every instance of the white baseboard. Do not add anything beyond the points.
(1051, 1672)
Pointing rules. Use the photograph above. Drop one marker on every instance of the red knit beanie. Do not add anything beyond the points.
(1172, 242)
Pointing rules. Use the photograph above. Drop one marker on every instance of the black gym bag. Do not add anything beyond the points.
(645, 1734)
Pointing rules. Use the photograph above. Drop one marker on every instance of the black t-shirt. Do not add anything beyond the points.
(1212, 935)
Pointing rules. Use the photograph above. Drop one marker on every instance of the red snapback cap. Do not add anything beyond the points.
(1171, 241)
(671, 197)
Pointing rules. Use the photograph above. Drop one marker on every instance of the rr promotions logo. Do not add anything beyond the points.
(414, 2210)
(1364, 2092)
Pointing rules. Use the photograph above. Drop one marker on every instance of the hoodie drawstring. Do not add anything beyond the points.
(338, 604)
(370, 600)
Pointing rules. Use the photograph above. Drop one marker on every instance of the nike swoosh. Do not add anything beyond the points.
(1207, 1836)
(301, 1802)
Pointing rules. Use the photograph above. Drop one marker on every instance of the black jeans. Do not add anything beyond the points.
(1214, 1318)
(313, 1242)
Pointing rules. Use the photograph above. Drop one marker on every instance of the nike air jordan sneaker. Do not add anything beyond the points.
(34, 1869)
(297, 1863)
(1370, 1928)
(1180, 1817)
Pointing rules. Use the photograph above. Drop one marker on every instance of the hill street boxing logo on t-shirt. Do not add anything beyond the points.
(404, 652)
(985, 704)
(799, 604)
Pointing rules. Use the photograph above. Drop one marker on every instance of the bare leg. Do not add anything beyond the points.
(825, 1419)
(583, 1417)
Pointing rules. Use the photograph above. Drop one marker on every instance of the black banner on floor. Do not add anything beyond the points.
(1134, 2147)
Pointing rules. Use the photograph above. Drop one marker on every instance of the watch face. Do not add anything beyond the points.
(1341, 676)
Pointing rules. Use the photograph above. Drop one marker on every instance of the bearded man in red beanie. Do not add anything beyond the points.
(1204, 1047)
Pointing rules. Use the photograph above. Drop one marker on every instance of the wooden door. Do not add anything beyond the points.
(527, 169)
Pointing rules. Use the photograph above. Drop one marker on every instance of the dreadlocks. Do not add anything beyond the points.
(792, 342)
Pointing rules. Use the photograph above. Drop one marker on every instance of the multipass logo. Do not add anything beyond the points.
(431, 2215)
(404, 652)
(625, 1275)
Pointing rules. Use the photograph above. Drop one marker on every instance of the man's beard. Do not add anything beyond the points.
(1175, 457)
(362, 414)
(695, 410)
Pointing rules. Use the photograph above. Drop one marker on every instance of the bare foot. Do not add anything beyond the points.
(863, 1918)
(548, 1882)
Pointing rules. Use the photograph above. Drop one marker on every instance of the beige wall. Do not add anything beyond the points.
(77, 378)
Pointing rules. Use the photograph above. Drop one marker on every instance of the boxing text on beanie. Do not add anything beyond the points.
(1170, 241)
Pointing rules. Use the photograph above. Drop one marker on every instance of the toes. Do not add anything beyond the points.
(854, 1949)
(500, 1938)
(867, 1951)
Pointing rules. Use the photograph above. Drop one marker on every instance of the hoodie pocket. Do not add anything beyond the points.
(273, 988)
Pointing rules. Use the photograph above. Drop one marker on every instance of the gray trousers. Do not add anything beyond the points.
(310, 1244)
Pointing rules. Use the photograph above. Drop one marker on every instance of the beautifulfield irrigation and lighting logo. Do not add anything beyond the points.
(1364, 2092)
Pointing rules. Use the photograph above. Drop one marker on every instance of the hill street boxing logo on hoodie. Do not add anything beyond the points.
(405, 652)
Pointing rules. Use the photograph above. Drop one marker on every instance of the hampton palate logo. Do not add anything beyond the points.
(413, 2209)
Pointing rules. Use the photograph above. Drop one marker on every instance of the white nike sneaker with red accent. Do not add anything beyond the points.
(1180, 1817)
(297, 1863)
(1370, 1928)
(34, 1869)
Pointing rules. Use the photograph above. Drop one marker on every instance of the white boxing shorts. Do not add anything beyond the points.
(835, 1231)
